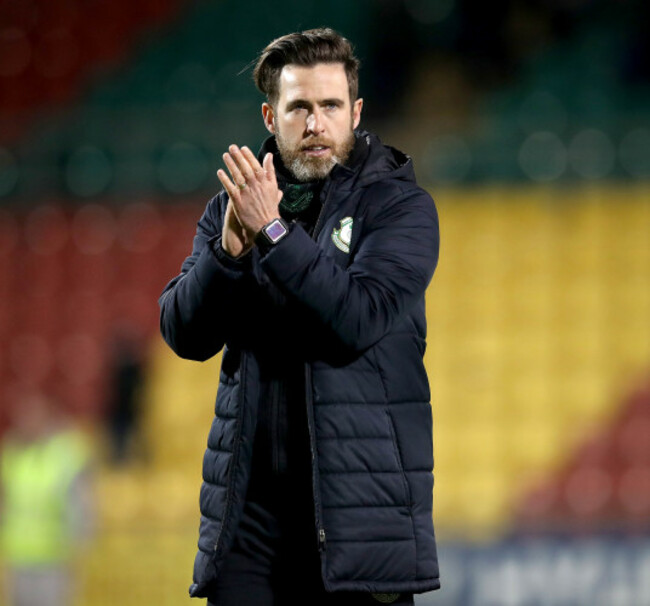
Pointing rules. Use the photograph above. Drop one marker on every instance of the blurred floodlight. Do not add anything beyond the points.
(542, 156)
(88, 172)
(183, 168)
(592, 154)
(429, 11)
(542, 111)
(634, 153)
(8, 172)
(447, 159)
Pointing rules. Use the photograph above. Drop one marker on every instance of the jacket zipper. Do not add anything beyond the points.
(275, 425)
(310, 409)
(314, 459)
(235, 452)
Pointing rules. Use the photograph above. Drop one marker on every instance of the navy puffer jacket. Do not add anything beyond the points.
(356, 313)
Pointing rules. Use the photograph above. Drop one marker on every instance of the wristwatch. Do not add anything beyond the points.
(273, 232)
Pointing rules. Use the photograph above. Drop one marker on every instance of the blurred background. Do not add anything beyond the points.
(529, 122)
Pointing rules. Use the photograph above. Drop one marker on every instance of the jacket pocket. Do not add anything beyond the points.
(398, 457)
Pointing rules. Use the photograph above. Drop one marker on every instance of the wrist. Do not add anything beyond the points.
(255, 231)
(234, 247)
(271, 233)
(235, 255)
(227, 258)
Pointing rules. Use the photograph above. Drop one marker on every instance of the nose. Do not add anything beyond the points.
(315, 122)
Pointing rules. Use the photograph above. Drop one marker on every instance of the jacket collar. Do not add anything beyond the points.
(369, 161)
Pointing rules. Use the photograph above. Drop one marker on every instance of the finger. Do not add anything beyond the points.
(233, 209)
(252, 161)
(228, 185)
(269, 169)
(242, 163)
(238, 178)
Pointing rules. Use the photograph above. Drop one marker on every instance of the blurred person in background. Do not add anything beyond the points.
(45, 502)
(124, 397)
(311, 268)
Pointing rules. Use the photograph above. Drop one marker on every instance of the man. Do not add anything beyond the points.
(311, 267)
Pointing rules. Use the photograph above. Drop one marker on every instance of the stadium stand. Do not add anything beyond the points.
(112, 120)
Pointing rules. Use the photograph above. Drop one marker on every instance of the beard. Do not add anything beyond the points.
(305, 168)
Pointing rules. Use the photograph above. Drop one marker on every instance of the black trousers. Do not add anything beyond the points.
(275, 561)
(244, 583)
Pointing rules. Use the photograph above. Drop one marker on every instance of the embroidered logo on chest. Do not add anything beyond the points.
(343, 236)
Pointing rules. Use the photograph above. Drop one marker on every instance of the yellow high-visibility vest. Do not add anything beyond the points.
(36, 481)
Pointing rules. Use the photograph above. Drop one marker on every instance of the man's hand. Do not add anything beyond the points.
(234, 239)
(254, 197)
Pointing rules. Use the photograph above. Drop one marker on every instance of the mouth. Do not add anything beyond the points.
(316, 150)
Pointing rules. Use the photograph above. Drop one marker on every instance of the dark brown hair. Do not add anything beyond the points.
(322, 45)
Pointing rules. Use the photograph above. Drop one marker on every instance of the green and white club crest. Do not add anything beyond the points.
(343, 236)
(385, 598)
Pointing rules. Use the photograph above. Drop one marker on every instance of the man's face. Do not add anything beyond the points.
(314, 119)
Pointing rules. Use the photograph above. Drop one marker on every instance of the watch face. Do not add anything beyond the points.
(275, 231)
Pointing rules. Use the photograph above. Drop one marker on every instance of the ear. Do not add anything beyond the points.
(268, 116)
(356, 112)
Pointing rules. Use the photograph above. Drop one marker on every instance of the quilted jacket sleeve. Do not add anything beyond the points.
(197, 306)
(391, 269)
